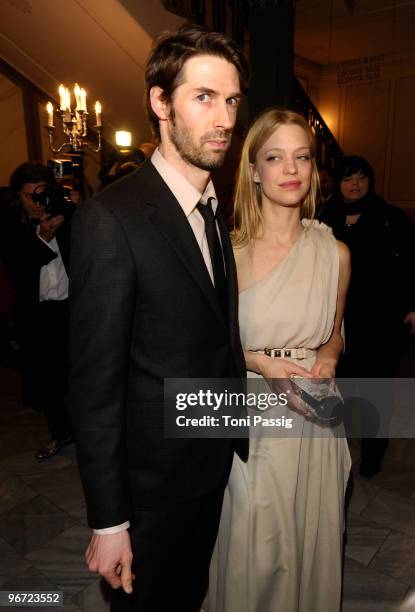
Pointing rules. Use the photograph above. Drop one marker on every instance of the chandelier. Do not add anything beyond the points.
(74, 122)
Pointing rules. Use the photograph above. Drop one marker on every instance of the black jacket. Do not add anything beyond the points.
(23, 254)
(143, 308)
(382, 287)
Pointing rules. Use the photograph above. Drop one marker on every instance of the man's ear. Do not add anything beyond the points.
(254, 173)
(158, 103)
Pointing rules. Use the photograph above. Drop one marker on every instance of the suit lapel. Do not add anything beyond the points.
(62, 238)
(166, 214)
(231, 273)
(229, 267)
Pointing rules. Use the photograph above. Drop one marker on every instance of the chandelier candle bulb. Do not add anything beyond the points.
(67, 115)
(62, 97)
(77, 92)
(49, 109)
(98, 110)
(67, 100)
(83, 99)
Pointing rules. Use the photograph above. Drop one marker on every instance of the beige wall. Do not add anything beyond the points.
(309, 75)
(374, 118)
(364, 125)
(12, 129)
(401, 175)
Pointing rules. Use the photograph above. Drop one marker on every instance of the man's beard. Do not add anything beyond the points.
(193, 152)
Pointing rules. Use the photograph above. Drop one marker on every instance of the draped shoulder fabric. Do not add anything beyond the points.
(280, 540)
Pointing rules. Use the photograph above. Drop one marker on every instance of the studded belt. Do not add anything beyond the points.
(284, 353)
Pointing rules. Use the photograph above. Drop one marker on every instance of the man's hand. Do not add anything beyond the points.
(49, 225)
(111, 556)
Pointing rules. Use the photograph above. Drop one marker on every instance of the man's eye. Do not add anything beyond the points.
(233, 101)
(203, 97)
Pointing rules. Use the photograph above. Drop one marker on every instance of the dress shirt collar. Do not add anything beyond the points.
(185, 193)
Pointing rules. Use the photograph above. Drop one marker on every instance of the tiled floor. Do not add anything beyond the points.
(43, 531)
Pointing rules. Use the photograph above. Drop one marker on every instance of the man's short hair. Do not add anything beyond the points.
(171, 52)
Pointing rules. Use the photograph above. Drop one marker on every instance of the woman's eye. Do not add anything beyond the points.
(304, 157)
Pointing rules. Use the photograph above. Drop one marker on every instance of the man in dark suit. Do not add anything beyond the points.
(154, 296)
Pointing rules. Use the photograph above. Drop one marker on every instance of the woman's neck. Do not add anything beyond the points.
(281, 224)
(352, 219)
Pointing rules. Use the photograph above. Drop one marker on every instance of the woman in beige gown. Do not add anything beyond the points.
(279, 546)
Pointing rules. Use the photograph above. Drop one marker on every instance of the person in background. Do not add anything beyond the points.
(381, 298)
(34, 247)
(326, 175)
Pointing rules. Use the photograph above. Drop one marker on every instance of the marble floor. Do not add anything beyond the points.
(43, 529)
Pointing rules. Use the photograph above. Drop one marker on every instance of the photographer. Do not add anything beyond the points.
(34, 246)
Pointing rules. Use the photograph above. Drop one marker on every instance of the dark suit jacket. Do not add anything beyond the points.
(143, 308)
(23, 254)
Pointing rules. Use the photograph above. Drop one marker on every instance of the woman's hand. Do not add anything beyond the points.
(282, 368)
(271, 367)
(324, 368)
(277, 372)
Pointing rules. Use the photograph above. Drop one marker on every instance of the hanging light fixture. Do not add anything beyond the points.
(73, 121)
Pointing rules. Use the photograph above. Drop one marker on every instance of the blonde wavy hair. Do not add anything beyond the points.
(248, 199)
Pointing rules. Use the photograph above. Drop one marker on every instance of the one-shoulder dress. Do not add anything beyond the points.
(279, 547)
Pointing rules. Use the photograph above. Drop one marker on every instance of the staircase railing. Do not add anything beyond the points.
(328, 151)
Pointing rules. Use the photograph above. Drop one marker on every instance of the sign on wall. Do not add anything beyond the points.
(360, 70)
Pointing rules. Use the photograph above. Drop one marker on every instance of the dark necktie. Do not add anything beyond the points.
(215, 251)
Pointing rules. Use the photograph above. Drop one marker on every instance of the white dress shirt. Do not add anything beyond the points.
(53, 280)
(188, 197)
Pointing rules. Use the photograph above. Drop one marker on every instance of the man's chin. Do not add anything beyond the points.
(213, 161)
